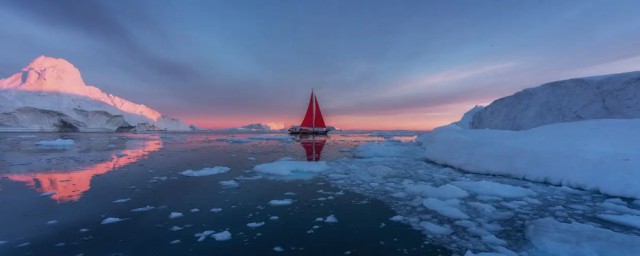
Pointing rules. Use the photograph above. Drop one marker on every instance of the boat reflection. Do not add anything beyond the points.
(313, 146)
(69, 185)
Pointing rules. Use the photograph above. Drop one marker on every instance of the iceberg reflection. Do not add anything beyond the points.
(70, 184)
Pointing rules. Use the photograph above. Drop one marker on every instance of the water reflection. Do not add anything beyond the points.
(313, 146)
(69, 184)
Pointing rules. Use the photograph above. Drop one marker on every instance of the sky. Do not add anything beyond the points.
(373, 64)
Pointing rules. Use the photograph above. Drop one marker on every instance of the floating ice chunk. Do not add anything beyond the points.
(216, 210)
(203, 235)
(45, 194)
(268, 137)
(56, 143)
(112, 220)
(435, 229)
(84, 230)
(490, 188)
(51, 222)
(174, 215)
(121, 154)
(2, 242)
(625, 220)
(255, 224)
(448, 208)
(278, 249)
(143, 209)
(282, 202)
(443, 192)
(396, 218)
(175, 228)
(469, 253)
(23, 244)
(331, 219)
(194, 210)
(121, 200)
(175, 241)
(550, 237)
(222, 236)
(206, 171)
(274, 218)
(229, 184)
(284, 168)
(59, 244)
(492, 239)
(251, 158)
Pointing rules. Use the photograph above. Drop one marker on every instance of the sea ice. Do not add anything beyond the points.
(277, 202)
(174, 215)
(56, 143)
(331, 219)
(121, 200)
(143, 209)
(111, 220)
(222, 236)
(216, 210)
(229, 184)
(174, 242)
(550, 237)
(255, 224)
(449, 208)
(46, 194)
(206, 171)
(284, 168)
(435, 229)
(51, 222)
(626, 219)
(490, 188)
(278, 249)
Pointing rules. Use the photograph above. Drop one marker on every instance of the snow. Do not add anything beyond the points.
(282, 202)
(174, 215)
(626, 219)
(551, 237)
(255, 224)
(50, 93)
(222, 236)
(571, 154)
(206, 171)
(111, 220)
(56, 143)
(294, 169)
(229, 184)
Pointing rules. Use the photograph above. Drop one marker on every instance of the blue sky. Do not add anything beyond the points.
(374, 64)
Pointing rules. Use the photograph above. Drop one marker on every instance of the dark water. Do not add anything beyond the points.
(145, 168)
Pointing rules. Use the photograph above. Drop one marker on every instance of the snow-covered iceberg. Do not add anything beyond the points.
(50, 95)
(615, 96)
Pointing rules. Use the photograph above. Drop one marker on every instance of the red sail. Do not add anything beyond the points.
(308, 118)
(319, 119)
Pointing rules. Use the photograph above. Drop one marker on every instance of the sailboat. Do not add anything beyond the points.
(313, 123)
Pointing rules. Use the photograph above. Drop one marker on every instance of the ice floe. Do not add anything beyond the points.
(174, 215)
(206, 171)
(255, 224)
(121, 200)
(280, 202)
(56, 143)
(143, 209)
(229, 184)
(288, 169)
(222, 236)
(111, 220)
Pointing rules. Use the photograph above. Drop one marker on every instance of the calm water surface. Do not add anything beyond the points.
(53, 199)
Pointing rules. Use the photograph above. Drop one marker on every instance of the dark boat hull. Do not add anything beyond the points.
(308, 132)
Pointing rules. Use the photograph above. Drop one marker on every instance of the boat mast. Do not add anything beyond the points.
(313, 122)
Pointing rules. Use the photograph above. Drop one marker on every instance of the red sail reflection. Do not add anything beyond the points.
(313, 147)
(70, 185)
